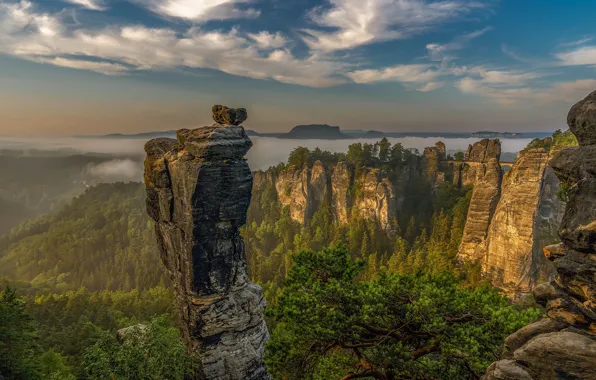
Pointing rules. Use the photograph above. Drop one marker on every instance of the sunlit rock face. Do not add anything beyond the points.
(525, 220)
(563, 346)
(482, 160)
(198, 193)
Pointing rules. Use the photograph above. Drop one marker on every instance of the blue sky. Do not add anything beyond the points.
(94, 66)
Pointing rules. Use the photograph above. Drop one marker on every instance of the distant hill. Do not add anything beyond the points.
(329, 132)
(315, 131)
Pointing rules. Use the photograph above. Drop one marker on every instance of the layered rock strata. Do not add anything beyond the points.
(525, 220)
(198, 193)
(483, 162)
(563, 345)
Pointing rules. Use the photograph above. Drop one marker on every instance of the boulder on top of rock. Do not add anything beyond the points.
(582, 120)
(229, 116)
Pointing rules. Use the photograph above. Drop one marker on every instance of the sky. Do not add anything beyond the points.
(127, 66)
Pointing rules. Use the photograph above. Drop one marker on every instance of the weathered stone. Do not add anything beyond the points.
(486, 195)
(506, 370)
(377, 201)
(342, 180)
(526, 219)
(198, 193)
(571, 298)
(523, 335)
(558, 355)
(229, 116)
(582, 120)
(483, 151)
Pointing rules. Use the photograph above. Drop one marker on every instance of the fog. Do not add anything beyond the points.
(128, 153)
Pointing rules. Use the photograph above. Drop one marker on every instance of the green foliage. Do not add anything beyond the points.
(147, 352)
(566, 138)
(102, 240)
(328, 324)
(459, 156)
(18, 338)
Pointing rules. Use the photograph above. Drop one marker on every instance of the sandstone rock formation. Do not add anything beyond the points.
(377, 201)
(198, 193)
(526, 219)
(229, 116)
(483, 161)
(434, 161)
(563, 346)
(342, 180)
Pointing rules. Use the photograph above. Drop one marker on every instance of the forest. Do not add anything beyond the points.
(345, 301)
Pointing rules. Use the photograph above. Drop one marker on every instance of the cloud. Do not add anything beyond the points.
(577, 42)
(439, 52)
(200, 10)
(416, 73)
(266, 40)
(583, 56)
(558, 92)
(96, 5)
(431, 86)
(42, 37)
(358, 22)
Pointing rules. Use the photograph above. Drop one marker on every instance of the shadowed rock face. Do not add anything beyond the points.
(563, 346)
(198, 193)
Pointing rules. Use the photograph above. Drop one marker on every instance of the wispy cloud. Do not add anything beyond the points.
(358, 22)
(266, 40)
(582, 56)
(42, 37)
(416, 73)
(96, 5)
(581, 41)
(441, 52)
(200, 10)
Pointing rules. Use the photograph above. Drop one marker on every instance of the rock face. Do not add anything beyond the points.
(434, 162)
(566, 350)
(487, 191)
(342, 180)
(526, 219)
(378, 200)
(229, 116)
(198, 193)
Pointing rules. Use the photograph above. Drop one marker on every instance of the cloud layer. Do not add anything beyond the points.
(327, 53)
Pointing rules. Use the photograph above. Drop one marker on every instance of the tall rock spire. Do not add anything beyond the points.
(563, 345)
(198, 193)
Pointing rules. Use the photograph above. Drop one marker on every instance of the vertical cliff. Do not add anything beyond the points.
(525, 220)
(342, 181)
(483, 161)
(198, 193)
(563, 345)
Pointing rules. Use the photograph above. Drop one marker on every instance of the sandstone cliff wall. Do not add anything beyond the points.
(525, 220)
(563, 345)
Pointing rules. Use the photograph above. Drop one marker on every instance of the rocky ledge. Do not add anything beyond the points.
(563, 345)
(198, 192)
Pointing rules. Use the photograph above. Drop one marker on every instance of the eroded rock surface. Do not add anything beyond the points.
(484, 164)
(570, 299)
(526, 220)
(198, 193)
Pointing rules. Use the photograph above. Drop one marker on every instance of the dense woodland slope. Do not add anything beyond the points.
(92, 266)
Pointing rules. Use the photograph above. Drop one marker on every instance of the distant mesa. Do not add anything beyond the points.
(229, 116)
(315, 131)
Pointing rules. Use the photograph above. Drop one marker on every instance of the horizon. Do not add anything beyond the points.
(99, 67)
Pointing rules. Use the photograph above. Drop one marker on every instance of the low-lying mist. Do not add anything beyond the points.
(128, 153)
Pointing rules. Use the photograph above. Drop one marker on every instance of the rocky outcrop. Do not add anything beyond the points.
(378, 200)
(342, 180)
(292, 186)
(198, 193)
(485, 197)
(526, 219)
(568, 349)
